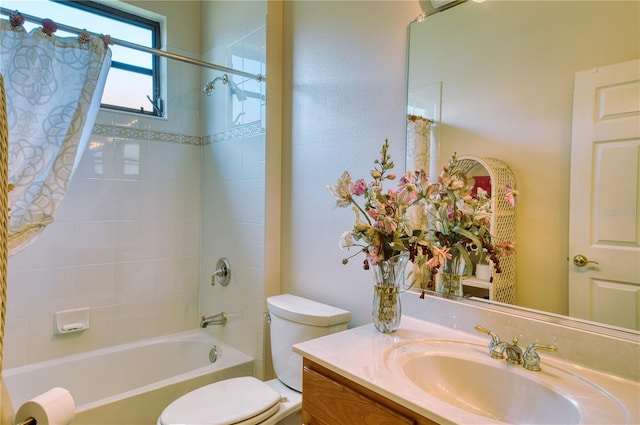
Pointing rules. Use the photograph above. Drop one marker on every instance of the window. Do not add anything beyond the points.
(133, 83)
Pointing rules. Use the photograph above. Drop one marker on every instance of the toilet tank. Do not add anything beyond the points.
(295, 319)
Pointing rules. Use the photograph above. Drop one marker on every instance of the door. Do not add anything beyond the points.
(604, 218)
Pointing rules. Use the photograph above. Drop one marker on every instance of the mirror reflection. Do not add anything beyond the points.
(497, 79)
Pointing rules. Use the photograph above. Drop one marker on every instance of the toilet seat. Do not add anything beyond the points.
(245, 400)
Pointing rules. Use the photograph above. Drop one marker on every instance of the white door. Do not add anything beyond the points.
(604, 242)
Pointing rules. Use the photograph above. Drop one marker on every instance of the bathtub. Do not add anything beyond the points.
(130, 383)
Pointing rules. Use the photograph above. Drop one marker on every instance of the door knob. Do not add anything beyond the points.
(581, 261)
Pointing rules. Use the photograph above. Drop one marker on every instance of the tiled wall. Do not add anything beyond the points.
(125, 243)
(233, 170)
(233, 227)
(126, 238)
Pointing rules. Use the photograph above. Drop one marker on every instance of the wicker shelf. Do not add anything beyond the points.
(476, 283)
(502, 286)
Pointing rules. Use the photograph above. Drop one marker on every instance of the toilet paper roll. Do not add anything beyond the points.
(55, 407)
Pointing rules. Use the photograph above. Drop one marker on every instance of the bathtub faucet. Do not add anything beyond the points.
(216, 319)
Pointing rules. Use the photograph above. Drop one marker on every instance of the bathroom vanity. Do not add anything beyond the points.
(330, 398)
(425, 373)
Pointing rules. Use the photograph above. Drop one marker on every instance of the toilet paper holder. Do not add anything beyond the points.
(69, 321)
(28, 421)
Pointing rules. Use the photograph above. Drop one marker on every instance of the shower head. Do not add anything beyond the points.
(210, 86)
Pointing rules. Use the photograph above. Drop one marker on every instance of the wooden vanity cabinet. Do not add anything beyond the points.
(331, 399)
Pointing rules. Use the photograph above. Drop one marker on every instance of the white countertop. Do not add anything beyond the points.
(359, 354)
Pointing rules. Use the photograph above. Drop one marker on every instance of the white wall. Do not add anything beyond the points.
(344, 77)
(345, 71)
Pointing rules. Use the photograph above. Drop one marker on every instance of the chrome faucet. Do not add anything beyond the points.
(216, 319)
(531, 357)
(514, 353)
(493, 344)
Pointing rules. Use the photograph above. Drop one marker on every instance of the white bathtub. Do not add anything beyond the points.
(130, 383)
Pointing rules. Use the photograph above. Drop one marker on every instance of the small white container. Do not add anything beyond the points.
(483, 272)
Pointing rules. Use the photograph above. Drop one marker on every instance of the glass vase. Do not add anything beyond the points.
(451, 275)
(387, 310)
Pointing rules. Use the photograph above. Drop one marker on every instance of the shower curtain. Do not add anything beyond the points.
(418, 143)
(53, 87)
(419, 157)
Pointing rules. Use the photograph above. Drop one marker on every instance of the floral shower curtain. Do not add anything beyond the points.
(418, 143)
(419, 157)
(53, 88)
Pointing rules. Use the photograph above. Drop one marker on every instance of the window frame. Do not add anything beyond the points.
(142, 22)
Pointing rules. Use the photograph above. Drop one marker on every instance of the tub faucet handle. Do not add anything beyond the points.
(222, 275)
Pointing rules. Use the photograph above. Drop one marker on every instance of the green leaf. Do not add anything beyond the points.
(467, 234)
(467, 259)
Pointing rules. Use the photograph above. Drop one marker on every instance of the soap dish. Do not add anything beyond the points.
(69, 321)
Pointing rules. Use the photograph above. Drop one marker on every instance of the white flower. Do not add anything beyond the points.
(416, 216)
(346, 240)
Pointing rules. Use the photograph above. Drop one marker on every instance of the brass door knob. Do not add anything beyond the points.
(581, 261)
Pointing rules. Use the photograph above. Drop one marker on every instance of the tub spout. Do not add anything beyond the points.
(216, 319)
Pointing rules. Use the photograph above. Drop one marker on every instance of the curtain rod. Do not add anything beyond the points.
(156, 52)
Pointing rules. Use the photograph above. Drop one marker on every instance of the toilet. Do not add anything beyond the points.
(249, 401)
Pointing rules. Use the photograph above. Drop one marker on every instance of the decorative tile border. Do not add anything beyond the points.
(245, 130)
(121, 132)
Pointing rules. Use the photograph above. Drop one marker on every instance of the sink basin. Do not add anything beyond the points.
(489, 391)
(463, 375)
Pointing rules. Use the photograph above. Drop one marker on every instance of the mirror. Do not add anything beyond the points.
(500, 79)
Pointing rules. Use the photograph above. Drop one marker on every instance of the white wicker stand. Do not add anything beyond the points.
(502, 286)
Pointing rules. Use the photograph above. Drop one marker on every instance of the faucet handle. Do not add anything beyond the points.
(495, 340)
(531, 359)
(482, 329)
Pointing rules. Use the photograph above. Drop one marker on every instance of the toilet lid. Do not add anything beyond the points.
(244, 400)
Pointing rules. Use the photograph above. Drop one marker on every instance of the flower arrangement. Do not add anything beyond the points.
(459, 222)
(435, 222)
(382, 229)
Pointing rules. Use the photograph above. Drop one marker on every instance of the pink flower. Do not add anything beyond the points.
(372, 255)
(390, 225)
(440, 255)
(407, 189)
(359, 187)
(510, 195)
(506, 249)
(450, 213)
